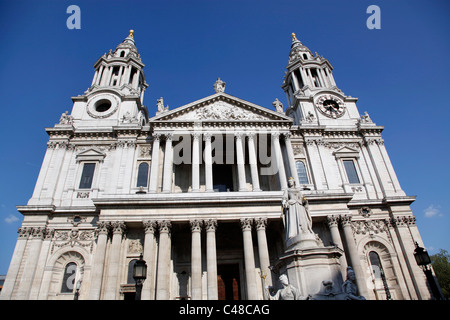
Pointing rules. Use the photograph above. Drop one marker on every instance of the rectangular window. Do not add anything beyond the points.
(301, 170)
(87, 176)
(350, 168)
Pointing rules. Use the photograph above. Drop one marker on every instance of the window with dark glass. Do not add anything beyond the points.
(87, 175)
(68, 283)
(142, 178)
(350, 169)
(301, 171)
(130, 279)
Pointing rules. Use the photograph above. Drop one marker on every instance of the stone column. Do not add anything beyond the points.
(168, 164)
(211, 258)
(99, 260)
(333, 221)
(111, 285)
(291, 159)
(16, 261)
(40, 280)
(196, 260)
(279, 160)
(208, 163)
(34, 248)
(162, 278)
(148, 288)
(249, 259)
(195, 162)
(240, 162)
(263, 250)
(253, 162)
(154, 166)
(354, 256)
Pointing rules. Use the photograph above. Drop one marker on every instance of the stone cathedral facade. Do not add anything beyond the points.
(201, 191)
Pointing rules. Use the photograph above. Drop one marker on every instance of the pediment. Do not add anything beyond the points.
(344, 152)
(90, 155)
(221, 107)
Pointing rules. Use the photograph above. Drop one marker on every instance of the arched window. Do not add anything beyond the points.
(68, 283)
(122, 54)
(130, 279)
(378, 273)
(142, 178)
(301, 171)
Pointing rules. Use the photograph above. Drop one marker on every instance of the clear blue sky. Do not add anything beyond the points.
(400, 74)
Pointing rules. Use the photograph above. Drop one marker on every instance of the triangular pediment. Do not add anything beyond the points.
(221, 107)
(346, 152)
(90, 155)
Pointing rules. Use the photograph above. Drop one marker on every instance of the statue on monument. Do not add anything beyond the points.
(288, 292)
(349, 287)
(296, 216)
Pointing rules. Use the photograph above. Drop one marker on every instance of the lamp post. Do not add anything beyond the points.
(139, 275)
(77, 290)
(423, 260)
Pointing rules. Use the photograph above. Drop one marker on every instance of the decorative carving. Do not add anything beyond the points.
(149, 226)
(210, 225)
(246, 224)
(196, 225)
(135, 246)
(221, 110)
(261, 223)
(164, 226)
(160, 106)
(83, 238)
(370, 226)
(118, 227)
(83, 194)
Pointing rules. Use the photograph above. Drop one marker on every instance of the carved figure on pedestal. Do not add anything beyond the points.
(288, 292)
(349, 287)
(296, 216)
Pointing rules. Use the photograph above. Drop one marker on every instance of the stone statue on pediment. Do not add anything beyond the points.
(288, 292)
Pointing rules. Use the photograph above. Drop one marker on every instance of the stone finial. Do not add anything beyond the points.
(131, 35)
(219, 86)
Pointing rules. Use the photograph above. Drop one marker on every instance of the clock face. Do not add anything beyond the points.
(331, 106)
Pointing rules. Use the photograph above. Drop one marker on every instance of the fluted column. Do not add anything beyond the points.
(353, 254)
(34, 243)
(253, 162)
(263, 250)
(16, 261)
(148, 288)
(154, 166)
(99, 260)
(196, 260)
(162, 284)
(279, 160)
(211, 258)
(111, 286)
(195, 162)
(240, 162)
(249, 259)
(291, 159)
(208, 163)
(333, 221)
(168, 164)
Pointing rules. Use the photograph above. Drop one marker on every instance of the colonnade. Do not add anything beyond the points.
(276, 159)
(158, 237)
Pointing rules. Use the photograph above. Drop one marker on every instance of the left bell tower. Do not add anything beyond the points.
(117, 90)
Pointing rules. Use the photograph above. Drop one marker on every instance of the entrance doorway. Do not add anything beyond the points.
(228, 282)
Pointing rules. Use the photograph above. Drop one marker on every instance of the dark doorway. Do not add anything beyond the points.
(228, 283)
(223, 177)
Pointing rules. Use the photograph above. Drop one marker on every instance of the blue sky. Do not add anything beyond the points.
(400, 73)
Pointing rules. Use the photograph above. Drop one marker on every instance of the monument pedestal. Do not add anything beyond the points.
(307, 264)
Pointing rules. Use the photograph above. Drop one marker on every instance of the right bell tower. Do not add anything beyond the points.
(312, 94)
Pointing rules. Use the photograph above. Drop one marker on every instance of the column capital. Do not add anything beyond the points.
(238, 135)
(196, 225)
(246, 224)
(103, 227)
(118, 227)
(332, 220)
(287, 135)
(275, 135)
(196, 135)
(164, 226)
(261, 223)
(210, 225)
(156, 136)
(149, 226)
(346, 220)
(207, 136)
(168, 136)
